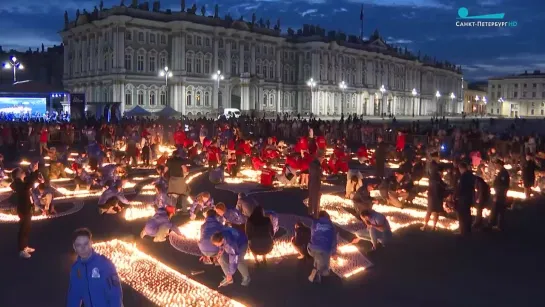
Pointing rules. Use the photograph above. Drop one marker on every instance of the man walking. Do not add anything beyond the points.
(315, 185)
(93, 277)
(464, 198)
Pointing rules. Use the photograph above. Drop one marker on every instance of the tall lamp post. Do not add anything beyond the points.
(166, 74)
(342, 86)
(312, 84)
(483, 109)
(14, 64)
(382, 91)
(452, 97)
(438, 95)
(414, 93)
(218, 77)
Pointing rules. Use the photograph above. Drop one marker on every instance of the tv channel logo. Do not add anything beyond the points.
(487, 20)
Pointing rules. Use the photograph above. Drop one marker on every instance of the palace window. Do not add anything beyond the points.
(140, 98)
(188, 65)
(163, 39)
(198, 99)
(163, 98)
(128, 61)
(128, 35)
(141, 37)
(190, 39)
(128, 98)
(207, 99)
(220, 43)
(207, 42)
(199, 41)
(163, 61)
(140, 63)
(188, 98)
(152, 98)
(207, 66)
(198, 65)
(152, 38)
(151, 64)
(246, 67)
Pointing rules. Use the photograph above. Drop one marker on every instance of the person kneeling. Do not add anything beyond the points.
(112, 200)
(43, 199)
(260, 233)
(210, 226)
(159, 225)
(377, 229)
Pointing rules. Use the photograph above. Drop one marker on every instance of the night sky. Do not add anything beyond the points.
(425, 25)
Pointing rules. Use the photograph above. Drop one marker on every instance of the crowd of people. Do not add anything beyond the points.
(462, 165)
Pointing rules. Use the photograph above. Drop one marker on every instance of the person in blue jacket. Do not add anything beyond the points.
(230, 216)
(233, 245)
(93, 277)
(210, 226)
(322, 246)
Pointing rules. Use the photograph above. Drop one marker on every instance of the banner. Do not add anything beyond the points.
(77, 106)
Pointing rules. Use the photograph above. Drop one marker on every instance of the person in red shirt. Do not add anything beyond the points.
(213, 156)
(400, 141)
(257, 163)
(321, 143)
(44, 136)
(180, 137)
(302, 145)
(362, 154)
(267, 176)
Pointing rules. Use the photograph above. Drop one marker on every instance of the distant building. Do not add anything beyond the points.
(44, 66)
(520, 95)
(475, 98)
(115, 56)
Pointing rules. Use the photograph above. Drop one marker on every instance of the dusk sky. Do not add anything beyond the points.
(425, 25)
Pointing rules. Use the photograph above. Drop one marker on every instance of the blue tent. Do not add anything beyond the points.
(167, 111)
(137, 111)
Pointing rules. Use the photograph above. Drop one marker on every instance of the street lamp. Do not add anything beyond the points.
(343, 87)
(218, 77)
(312, 84)
(414, 93)
(167, 74)
(14, 64)
(438, 95)
(382, 91)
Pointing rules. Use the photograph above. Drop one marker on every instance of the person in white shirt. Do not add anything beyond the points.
(377, 228)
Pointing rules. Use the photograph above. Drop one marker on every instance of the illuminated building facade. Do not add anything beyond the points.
(116, 54)
(519, 95)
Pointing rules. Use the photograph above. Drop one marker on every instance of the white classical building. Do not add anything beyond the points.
(518, 95)
(115, 56)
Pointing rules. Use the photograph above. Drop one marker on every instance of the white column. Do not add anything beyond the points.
(241, 57)
(227, 62)
(278, 64)
(115, 50)
(278, 100)
(216, 48)
(122, 104)
(299, 101)
(182, 56)
(215, 96)
(252, 63)
(181, 98)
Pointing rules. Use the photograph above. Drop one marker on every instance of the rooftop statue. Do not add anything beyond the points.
(216, 11)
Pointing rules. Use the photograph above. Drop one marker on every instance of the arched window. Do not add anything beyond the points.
(220, 43)
(163, 98)
(151, 63)
(246, 67)
(140, 63)
(271, 100)
(265, 71)
(152, 98)
(286, 99)
(198, 65)
(128, 97)
(220, 65)
(206, 99)
(264, 100)
(189, 63)
(271, 72)
(128, 62)
(234, 67)
(207, 66)
(140, 98)
(198, 99)
(188, 98)
(162, 61)
(286, 74)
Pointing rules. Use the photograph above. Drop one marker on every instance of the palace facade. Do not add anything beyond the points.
(521, 95)
(115, 56)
